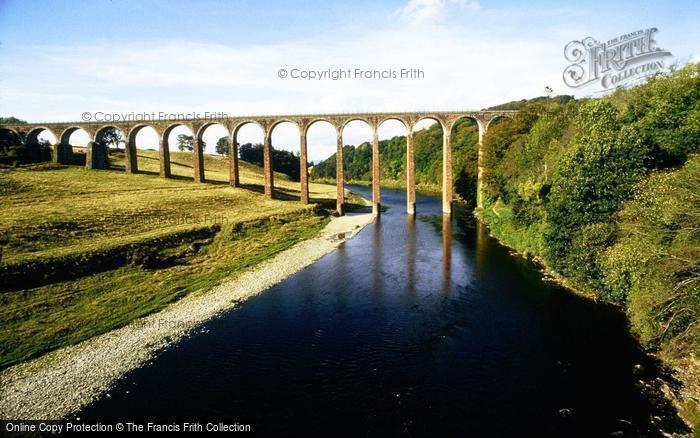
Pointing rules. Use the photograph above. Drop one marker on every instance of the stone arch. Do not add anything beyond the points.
(204, 127)
(403, 121)
(67, 132)
(63, 150)
(497, 117)
(274, 124)
(319, 120)
(459, 118)
(432, 117)
(242, 123)
(33, 134)
(12, 130)
(103, 128)
(346, 122)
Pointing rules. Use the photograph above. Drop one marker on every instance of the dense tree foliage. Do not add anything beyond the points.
(605, 192)
(357, 160)
(282, 161)
(520, 104)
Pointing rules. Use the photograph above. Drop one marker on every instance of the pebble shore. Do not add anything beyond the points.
(60, 383)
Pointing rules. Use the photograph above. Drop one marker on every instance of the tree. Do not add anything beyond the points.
(185, 143)
(222, 146)
(111, 138)
(282, 161)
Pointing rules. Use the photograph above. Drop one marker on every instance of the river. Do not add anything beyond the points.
(414, 327)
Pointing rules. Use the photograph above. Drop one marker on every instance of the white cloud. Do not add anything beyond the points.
(695, 59)
(431, 11)
(465, 68)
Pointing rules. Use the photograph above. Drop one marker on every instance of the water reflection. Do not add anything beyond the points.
(446, 251)
(480, 247)
(411, 254)
(377, 263)
(364, 341)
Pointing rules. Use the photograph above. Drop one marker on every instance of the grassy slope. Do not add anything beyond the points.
(53, 213)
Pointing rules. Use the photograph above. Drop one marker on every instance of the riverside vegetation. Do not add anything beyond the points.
(605, 193)
(85, 251)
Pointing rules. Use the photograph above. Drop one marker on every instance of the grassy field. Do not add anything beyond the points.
(102, 247)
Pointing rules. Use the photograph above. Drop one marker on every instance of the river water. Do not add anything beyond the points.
(416, 327)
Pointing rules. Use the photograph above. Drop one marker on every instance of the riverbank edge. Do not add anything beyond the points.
(681, 388)
(61, 382)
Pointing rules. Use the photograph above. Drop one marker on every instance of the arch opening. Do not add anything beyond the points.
(392, 144)
(73, 146)
(357, 150)
(23, 148)
(214, 141)
(465, 141)
(144, 143)
(178, 140)
(428, 139)
(108, 140)
(286, 148)
(321, 138)
(248, 138)
(397, 158)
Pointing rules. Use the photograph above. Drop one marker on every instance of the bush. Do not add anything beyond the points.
(588, 187)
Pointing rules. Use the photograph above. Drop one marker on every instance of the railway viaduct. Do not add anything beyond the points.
(96, 155)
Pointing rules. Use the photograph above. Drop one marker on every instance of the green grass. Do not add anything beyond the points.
(54, 212)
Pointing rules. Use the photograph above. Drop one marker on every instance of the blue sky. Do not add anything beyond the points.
(62, 58)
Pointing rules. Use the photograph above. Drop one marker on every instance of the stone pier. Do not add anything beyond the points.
(447, 171)
(303, 169)
(267, 165)
(164, 156)
(376, 174)
(339, 175)
(410, 174)
(234, 178)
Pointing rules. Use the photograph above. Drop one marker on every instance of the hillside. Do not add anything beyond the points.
(606, 193)
(85, 251)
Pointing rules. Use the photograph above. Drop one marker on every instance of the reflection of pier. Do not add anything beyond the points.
(446, 251)
(377, 256)
(411, 254)
(481, 246)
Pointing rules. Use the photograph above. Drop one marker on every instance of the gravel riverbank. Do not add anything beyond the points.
(61, 382)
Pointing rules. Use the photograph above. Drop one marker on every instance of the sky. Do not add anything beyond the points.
(60, 59)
